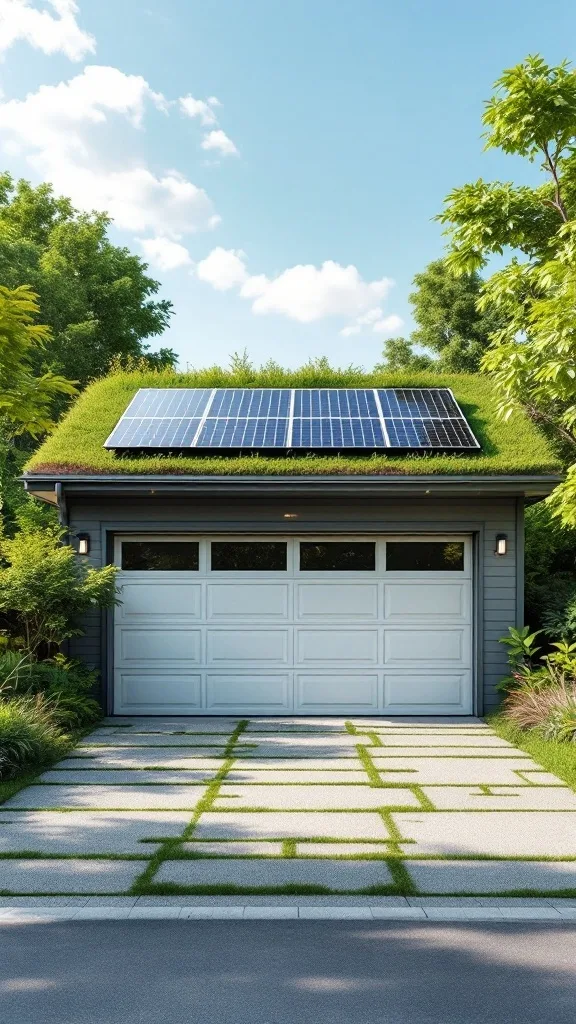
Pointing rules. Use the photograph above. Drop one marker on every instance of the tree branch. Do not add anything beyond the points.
(552, 165)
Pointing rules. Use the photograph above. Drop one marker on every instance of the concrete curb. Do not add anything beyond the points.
(35, 915)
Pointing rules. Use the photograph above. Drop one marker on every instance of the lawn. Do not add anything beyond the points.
(514, 446)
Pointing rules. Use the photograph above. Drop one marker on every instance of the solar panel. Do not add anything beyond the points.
(231, 419)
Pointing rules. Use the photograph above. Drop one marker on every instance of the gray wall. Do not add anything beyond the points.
(499, 579)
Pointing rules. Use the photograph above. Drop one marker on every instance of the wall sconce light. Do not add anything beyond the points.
(290, 515)
(83, 543)
(501, 544)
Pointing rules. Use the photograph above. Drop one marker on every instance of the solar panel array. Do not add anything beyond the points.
(176, 419)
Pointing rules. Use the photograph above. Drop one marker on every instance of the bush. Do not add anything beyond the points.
(45, 588)
(550, 574)
(541, 694)
(67, 687)
(28, 735)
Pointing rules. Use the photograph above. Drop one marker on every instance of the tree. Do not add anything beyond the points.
(25, 399)
(399, 355)
(450, 325)
(533, 354)
(95, 296)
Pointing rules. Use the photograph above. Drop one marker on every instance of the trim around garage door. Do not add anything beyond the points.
(309, 663)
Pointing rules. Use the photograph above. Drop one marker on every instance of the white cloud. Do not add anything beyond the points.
(52, 33)
(202, 109)
(223, 269)
(165, 254)
(219, 141)
(305, 293)
(388, 324)
(66, 132)
(308, 293)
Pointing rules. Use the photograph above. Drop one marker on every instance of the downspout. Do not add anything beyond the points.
(62, 507)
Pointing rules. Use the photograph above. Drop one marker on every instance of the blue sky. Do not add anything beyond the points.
(279, 164)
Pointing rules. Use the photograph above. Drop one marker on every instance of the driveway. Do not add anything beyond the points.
(221, 807)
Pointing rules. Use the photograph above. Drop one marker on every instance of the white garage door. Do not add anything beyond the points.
(311, 625)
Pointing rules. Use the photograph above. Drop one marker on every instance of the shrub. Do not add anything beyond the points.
(45, 588)
(66, 685)
(541, 695)
(28, 734)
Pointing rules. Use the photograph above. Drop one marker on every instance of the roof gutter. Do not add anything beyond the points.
(56, 488)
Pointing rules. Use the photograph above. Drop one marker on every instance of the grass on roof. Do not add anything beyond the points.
(515, 446)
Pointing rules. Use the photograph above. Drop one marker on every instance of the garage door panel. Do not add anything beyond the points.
(337, 601)
(342, 646)
(317, 692)
(168, 602)
(257, 601)
(143, 692)
(166, 646)
(426, 646)
(410, 692)
(426, 601)
(248, 646)
(255, 693)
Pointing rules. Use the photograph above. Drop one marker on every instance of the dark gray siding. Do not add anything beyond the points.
(496, 584)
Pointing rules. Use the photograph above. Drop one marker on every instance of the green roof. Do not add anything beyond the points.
(75, 446)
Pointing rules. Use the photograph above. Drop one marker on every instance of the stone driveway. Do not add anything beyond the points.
(215, 807)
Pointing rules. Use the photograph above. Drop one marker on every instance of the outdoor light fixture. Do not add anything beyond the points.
(83, 543)
(501, 544)
(290, 515)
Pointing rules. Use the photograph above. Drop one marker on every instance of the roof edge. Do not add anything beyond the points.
(522, 484)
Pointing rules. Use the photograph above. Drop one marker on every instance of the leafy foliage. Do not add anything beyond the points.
(95, 296)
(550, 573)
(451, 325)
(540, 694)
(28, 735)
(25, 399)
(45, 587)
(533, 356)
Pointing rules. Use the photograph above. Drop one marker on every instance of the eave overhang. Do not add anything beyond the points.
(531, 487)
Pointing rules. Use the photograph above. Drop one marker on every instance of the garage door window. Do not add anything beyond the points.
(160, 556)
(337, 556)
(424, 556)
(248, 556)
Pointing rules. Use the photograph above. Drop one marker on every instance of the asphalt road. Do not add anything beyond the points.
(287, 972)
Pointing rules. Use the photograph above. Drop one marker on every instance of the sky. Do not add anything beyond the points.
(278, 165)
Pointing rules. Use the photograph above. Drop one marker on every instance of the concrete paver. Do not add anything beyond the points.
(324, 798)
(142, 758)
(503, 798)
(454, 770)
(261, 873)
(496, 876)
(234, 849)
(290, 825)
(72, 876)
(56, 832)
(498, 834)
(317, 777)
(100, 797)
(117, 777)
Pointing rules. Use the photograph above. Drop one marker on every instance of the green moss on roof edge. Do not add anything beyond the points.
(75, 447)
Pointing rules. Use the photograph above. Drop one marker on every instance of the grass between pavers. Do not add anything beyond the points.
(558, 758)
(143, 883)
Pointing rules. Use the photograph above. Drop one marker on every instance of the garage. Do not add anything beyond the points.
(301, 625)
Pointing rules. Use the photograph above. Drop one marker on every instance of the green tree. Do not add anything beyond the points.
(399, 355)
(95, 296)
(450, 326)
(533, 355)
(25, 399)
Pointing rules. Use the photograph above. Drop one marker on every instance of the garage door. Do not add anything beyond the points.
(267, 625)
